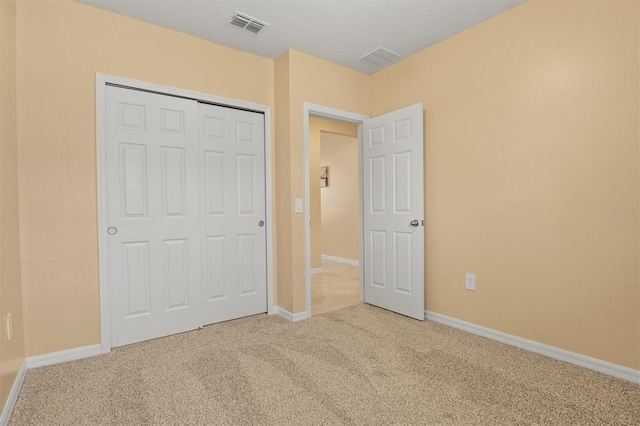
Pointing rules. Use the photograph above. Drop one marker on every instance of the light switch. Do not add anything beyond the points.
(298, 205)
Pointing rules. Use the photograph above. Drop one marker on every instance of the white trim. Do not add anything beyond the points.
(64, 356)
(292, 317)
(101, 81)
(361, 209)
(316, 271)
(13, 395)
(42, 361)
(269, 217)
(595, 364)
(103, 244)
(341, 260)
(340, 115)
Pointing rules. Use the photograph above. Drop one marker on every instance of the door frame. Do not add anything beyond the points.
(339, 115)
(101, 162)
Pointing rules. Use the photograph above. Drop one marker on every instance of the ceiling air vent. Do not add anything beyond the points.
(254, 26)
(240, 21)
(246, 22)
(380, 57)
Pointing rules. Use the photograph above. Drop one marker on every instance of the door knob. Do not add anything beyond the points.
(415, 223)
(112, 230)
(261, 223)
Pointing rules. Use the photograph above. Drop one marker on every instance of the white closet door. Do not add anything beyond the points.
(153, 209)
(394, 211)
(232, 213)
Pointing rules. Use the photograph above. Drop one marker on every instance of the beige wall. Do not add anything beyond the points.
(316, 126)
(531, 135)
(61, 46)
(11, 352)
(340, 202)
(323, 83)
(284, 202)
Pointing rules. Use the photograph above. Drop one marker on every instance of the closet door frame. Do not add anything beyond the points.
(102, 80)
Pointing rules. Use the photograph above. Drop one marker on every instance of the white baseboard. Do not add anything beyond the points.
(316, 271)
(595, 364)
(63, 356)
(341, 260)
(292, 317)
(13, 395)
(41, 361)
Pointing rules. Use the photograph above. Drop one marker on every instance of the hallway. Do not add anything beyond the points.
(337, 287)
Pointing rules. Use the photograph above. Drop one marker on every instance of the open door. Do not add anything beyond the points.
(393, 203)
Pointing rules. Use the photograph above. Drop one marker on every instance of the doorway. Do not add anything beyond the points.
(336, 119)
(334, 212)
(391, 207)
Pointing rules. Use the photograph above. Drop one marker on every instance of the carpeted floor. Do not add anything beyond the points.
(358, 365)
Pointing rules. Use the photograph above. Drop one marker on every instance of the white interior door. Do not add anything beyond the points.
(153, 215)
(393, 204)
(232, 164)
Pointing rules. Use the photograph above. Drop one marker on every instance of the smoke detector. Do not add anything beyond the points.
(380, 57)
(246, 22)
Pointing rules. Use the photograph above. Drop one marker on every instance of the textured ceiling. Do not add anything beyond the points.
(336, 30)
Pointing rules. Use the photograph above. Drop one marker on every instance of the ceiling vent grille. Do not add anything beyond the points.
(246, 22)
(240, 21)
(380, 57)
(254, 26)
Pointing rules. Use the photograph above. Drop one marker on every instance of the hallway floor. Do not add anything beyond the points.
(337, 287)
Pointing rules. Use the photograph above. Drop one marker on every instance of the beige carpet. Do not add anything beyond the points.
(358, 365)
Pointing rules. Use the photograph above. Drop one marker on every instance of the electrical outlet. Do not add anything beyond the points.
(9, 326)
(470, 281)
